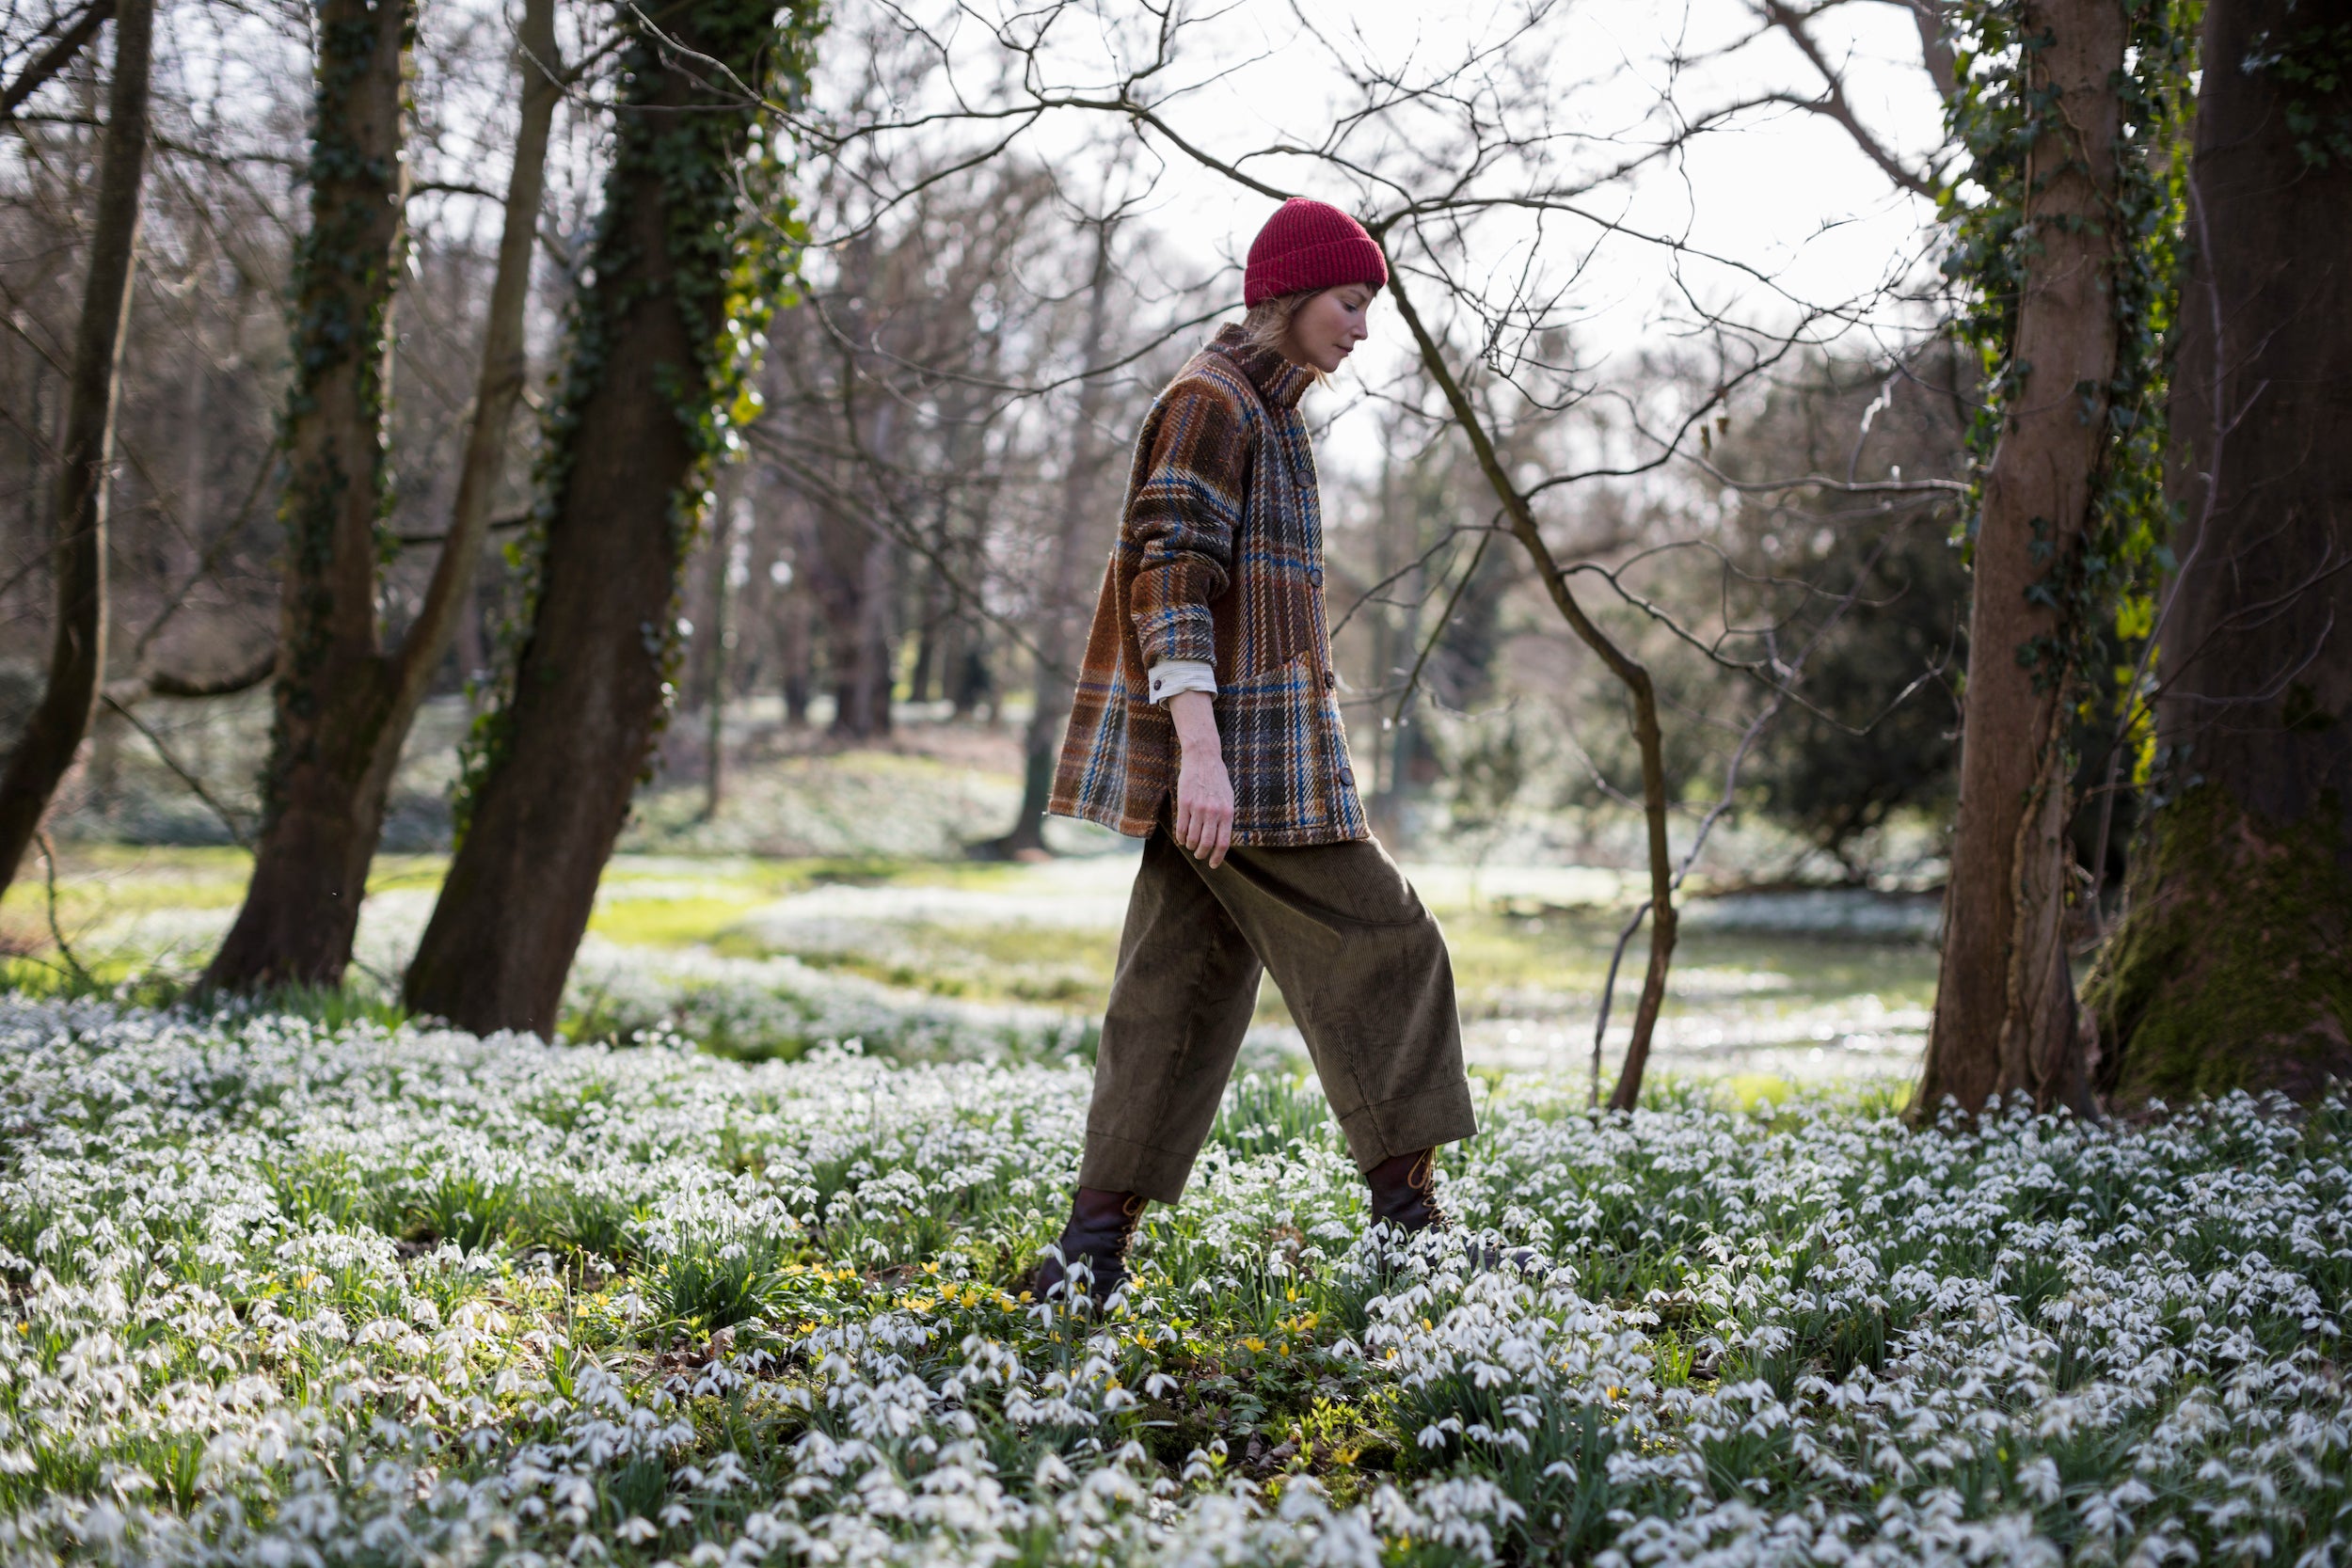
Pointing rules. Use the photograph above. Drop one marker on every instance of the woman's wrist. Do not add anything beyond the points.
(1196, 723)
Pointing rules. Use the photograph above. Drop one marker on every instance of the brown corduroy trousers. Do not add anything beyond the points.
(1360, 961)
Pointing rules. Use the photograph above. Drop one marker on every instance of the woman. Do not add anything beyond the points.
(1207, 722)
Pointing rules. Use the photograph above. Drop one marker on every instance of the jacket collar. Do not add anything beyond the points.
(1279, 383)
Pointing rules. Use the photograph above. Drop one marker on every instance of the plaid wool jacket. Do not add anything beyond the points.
(1219, 559)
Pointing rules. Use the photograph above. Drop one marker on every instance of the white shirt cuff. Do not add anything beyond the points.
(1182, 674)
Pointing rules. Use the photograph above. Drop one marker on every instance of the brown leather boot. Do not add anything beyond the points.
(1102, 1226)
(1400, 1195)
(1400, 1191)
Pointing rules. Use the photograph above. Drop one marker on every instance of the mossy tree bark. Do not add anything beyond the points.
(2233, 965)
(344, 700)
(77, 651)
(662, 337)
(2005, 1016)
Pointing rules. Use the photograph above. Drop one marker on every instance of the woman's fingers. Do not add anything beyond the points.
(1203, 821)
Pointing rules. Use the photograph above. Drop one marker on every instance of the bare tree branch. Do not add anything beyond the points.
(75, 37)
(1833, 103)
(195, 784)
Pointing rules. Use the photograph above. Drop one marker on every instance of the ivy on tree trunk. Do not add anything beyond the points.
(346, 702)
(692, 252)
(2068, 109)
(2232, 966)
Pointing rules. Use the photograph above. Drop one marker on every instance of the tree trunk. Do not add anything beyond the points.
(2233, 965)
(345, 703)
(2005, 1020)
(717, 662)
(77, 650)
(1057, 631)
(795, 643)
(863, 640)
(634, 437)
(933, 601)
(859, 576)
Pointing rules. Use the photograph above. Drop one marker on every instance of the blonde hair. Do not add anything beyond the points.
(1269, 324)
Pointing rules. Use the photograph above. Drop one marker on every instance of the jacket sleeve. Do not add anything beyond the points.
(1181, 520)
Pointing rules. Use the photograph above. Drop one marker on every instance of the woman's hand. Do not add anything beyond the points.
(1204, 795)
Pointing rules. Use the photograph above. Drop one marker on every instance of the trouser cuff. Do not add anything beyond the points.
(1413, 1122)
(1117, 1166)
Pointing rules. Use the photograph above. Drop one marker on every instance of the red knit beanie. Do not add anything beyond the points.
(1309, 245)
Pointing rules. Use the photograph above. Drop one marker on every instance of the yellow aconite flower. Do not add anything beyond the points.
(1253, 1344)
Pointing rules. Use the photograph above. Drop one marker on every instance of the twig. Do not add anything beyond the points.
(58, 57)
(1445, 618)
(1699, 841)
(497, 525)
(56, 932)
(1822, 481)
(196, 785)
(164, 683)
(1782, 691)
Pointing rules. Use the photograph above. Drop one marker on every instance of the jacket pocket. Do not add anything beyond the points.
(1270, 730)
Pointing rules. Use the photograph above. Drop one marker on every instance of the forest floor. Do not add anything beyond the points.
(284, 1290)
(306, 1283)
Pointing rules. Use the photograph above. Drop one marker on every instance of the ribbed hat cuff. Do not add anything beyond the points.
(1332, 265)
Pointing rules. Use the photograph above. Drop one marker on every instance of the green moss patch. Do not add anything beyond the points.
(2231, 970)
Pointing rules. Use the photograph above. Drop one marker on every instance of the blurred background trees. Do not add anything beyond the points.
(946, 272)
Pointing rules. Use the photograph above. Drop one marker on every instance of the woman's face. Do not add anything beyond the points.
(1329, 326)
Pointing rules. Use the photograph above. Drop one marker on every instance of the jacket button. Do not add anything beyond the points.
(1347, 777)
(1315, 574)
(1330, 681)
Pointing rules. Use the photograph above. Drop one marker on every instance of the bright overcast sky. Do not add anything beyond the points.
(1785, 193)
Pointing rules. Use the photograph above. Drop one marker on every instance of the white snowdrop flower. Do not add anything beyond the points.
(1853, 1319)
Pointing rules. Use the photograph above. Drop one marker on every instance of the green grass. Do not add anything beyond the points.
(1543, 969)
(670, 921)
